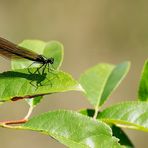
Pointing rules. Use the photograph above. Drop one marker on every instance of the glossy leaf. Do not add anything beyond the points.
(128, 114)
(74, 130)
(117, 132)
(143, 88)
(100, 81)
(20, 83)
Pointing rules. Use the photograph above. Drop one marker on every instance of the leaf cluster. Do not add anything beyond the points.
(87, 128)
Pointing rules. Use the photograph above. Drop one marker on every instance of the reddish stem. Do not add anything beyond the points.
(9, 122)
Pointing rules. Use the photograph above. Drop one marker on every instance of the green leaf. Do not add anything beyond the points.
(32, 85)
(73, 129)
(143, 87)
(87, 112)
(132, 115)
(117, 132)
(56, 50)
(101, 141)
(50, 49)
(100, 81)
(93, 81)
(120, 134)
(34, 101)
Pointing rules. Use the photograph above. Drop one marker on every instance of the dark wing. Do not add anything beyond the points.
(9, 49)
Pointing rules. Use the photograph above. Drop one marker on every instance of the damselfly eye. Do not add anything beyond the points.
(51, 60)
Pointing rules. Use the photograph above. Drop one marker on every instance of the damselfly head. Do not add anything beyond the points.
(50, 60)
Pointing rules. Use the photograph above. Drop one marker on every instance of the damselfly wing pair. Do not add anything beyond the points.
(11, 50)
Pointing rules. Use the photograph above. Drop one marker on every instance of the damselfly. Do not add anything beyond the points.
(11, 50)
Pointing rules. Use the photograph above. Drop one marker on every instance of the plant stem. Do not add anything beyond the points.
(20, 121)
(9, 126)
(96, 113)
(29, 112)
(9, 122)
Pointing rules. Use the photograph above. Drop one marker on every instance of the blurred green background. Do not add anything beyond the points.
(92, 32)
